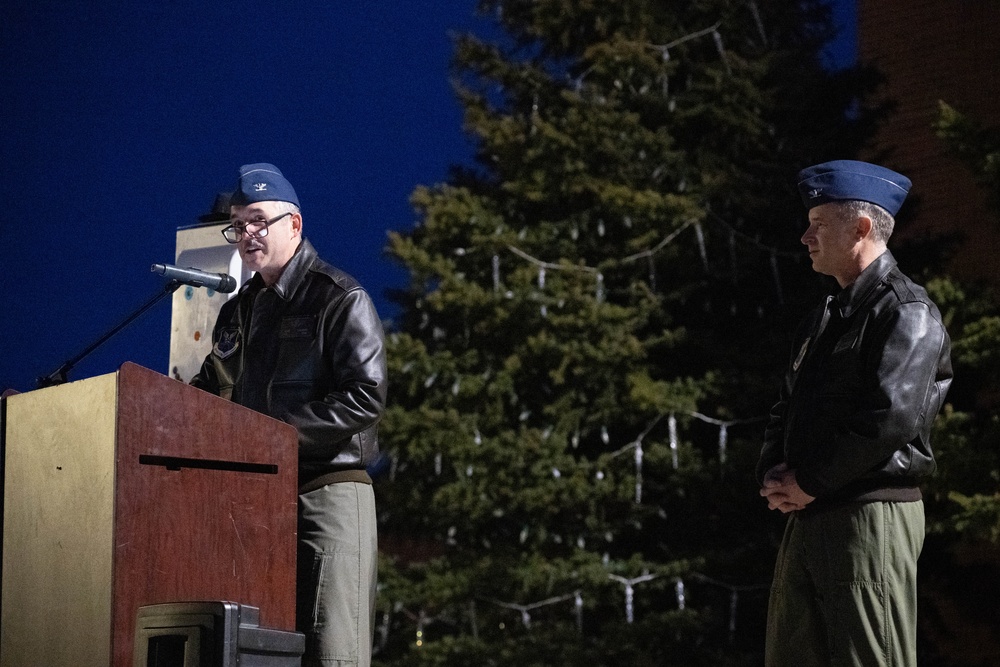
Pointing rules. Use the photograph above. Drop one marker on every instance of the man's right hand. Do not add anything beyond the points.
(782, 490)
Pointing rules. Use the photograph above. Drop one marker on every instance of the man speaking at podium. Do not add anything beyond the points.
(302, 342)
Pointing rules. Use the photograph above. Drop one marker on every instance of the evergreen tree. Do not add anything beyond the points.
(964, 498)
(958, 567)
(966, 492)
(596, 319)
(977, 146)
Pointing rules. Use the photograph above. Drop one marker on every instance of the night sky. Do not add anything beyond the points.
(120, 121)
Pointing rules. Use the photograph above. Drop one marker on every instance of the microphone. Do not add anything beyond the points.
(220, 282)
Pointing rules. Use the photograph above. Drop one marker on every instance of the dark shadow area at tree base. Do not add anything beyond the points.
(959, 586)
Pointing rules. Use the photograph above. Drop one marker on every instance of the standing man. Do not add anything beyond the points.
(849, 438)
(302, 342)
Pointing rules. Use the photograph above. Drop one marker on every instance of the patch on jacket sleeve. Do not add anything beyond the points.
(297, 327)
(228, 343)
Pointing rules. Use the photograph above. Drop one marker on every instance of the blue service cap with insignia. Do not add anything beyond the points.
(849, 179)
(262, 182)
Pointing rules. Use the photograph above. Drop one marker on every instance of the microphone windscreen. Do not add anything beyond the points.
(227, 284)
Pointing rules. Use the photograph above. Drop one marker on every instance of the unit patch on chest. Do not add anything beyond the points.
(228, 343)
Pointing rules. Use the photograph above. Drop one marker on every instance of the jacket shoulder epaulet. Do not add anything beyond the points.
(342, 279)
(905, 289)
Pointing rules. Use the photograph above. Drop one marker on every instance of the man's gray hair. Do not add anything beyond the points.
(286, 207)
(882, 221)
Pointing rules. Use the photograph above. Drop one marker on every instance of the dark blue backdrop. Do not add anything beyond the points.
(119, 121)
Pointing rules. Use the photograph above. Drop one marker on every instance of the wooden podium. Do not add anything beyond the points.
(131, 489)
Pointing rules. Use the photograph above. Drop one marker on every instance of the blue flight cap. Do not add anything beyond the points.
(850, 179)
(262, 182)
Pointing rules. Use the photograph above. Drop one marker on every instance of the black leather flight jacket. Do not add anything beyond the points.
(869, 372)
(309, 351)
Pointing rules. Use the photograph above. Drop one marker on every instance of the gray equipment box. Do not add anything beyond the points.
(211, 634)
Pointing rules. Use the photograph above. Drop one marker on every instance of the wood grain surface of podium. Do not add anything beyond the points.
(129, 489)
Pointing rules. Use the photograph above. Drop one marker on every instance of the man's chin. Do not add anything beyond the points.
(253, 260)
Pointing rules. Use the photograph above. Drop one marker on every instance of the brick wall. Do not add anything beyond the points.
(932, 50)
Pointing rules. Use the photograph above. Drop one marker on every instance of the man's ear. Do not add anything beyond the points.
(863, 227)
(297, 222)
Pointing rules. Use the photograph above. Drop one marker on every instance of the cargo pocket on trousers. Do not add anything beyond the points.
(320, 569)
(335, 580)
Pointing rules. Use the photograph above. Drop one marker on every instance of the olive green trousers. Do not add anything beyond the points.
(845, 587)
(337, 571)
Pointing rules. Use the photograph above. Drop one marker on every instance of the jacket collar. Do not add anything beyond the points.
(293, 274)
(854, 295)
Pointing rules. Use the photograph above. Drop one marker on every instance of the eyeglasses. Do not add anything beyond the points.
(256, 228)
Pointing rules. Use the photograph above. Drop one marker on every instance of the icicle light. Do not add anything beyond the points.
(629, 585)
(578, 608)
(525, 609)
(672, 430)
(422, 619)
(629, 599)
(700, 234)
(722, 51)
(723, 442)
(760, 24)
(638, 472)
